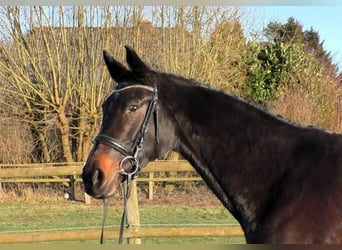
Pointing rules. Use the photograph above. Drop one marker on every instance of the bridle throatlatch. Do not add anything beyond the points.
(130, 155)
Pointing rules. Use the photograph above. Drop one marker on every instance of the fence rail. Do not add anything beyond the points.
(35, 170)
(69, 173)
(232, 231)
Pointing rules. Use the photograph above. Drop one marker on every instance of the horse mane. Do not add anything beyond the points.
(258, 111)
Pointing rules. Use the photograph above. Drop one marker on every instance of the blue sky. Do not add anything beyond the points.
(327, 20)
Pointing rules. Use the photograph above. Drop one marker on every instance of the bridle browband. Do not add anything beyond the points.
(130, 155)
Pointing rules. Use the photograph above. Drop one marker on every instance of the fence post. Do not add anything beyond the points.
(133, 212)
(73, 186)
(86, 198)
(150, 185)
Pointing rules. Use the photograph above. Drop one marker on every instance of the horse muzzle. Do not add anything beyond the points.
(101, 178)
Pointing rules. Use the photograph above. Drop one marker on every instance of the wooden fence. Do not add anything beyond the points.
(69, 174)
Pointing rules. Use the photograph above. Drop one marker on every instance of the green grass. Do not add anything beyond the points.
(19, 216)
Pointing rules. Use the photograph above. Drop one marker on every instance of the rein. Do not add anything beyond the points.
(124, 219)
(131, 155)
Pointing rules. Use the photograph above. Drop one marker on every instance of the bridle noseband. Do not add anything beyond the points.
(131, 155)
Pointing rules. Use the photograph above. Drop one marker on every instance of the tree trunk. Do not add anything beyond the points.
(65, 132)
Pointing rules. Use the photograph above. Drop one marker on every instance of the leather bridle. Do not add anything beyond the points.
(130, 155)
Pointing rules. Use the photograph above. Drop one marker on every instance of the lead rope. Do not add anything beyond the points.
(124, 219)
(105, 212)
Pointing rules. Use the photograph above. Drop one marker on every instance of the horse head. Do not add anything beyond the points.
(129, 135)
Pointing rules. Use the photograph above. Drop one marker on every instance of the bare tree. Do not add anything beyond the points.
(51, 69)
(53, 77)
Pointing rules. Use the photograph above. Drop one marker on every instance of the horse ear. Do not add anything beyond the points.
(137, 66)
(116, 69)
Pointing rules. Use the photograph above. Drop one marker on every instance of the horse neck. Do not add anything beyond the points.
(226, 140)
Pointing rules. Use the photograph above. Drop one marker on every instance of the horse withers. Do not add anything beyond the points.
(281, 181)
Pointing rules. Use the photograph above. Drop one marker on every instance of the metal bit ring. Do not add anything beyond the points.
(134, 163)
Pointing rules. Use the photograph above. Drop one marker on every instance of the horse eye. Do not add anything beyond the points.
(132, 108)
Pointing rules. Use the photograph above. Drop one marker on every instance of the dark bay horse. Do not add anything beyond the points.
(282, 182)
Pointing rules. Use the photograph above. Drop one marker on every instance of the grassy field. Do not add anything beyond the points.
(61, 215)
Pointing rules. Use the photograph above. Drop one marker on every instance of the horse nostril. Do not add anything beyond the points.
(98, 177)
